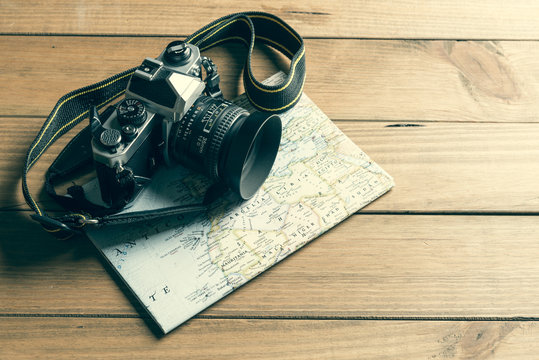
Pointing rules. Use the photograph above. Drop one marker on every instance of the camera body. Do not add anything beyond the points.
(171, 114)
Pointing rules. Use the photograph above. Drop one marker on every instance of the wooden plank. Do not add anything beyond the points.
(437, 166)
(348, 79)
(371, 265)
(68, 338)
(482, 19)
(454, 167)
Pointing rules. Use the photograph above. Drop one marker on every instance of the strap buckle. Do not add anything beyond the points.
(84, 221)
(212, 78)
(66, 225)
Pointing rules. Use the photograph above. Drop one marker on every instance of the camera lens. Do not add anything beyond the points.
(226, 143)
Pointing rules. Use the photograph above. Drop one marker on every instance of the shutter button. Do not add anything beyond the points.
(129, 132)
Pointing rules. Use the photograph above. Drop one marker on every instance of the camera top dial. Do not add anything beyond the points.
(131, 111)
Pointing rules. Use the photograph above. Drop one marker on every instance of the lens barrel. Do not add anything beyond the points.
(226, 143)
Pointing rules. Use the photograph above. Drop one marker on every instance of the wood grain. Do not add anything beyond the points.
(67, 338)
(347, 79)
(369, 266)
(482, 19)
(383, 285)
(436, 166)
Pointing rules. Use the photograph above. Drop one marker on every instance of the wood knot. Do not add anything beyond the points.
(483, 68)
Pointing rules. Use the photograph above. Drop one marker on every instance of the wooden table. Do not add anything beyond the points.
(443, 95)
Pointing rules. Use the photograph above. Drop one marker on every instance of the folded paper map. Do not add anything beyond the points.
(178, 266)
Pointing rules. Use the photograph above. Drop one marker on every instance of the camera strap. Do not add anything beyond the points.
(74, 107)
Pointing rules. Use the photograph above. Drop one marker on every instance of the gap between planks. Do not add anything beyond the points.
(12, 208)
(359, 38)
(394, 122)
(284, 317)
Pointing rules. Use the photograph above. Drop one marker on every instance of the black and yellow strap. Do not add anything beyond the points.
(70, 110)
(73, 107)
(272, 31)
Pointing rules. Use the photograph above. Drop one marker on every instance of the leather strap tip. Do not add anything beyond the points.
(54, 227)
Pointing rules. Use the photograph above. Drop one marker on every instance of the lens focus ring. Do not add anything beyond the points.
(227, 144)
(217, 139)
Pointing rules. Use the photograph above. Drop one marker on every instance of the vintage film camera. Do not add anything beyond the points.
(174, 113)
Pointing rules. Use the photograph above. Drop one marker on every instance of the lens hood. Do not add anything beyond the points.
(252, 153)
